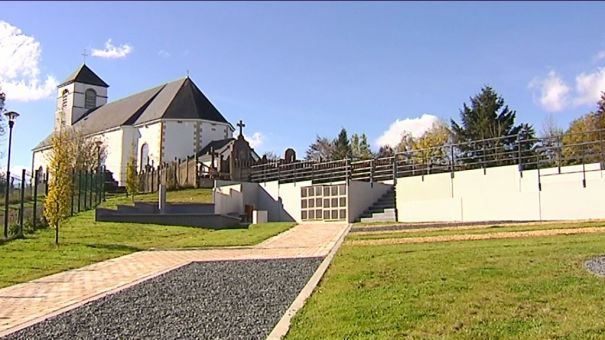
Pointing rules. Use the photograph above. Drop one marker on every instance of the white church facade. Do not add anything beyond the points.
(172, 120)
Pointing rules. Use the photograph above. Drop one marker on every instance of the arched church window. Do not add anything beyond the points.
(144, 156)
(90, 99)
(64, 99)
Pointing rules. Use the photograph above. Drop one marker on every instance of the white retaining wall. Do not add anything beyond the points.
(502, 193)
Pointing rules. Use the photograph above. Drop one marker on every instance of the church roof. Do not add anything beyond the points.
(179, 99)
(217, 145)
(84, 75)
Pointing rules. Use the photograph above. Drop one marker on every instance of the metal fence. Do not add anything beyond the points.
(27, 193)
(528, 153)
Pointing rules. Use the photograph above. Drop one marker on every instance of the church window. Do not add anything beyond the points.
(90, 99)
(64, 99)
(144, 156)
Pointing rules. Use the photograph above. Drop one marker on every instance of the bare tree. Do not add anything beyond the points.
(321, 150)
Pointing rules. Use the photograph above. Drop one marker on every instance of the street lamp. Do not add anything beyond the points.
(11, 116)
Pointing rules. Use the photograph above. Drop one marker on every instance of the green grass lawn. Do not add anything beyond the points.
(178, 196)
(515, 288)
(475, 230)
(84, 241)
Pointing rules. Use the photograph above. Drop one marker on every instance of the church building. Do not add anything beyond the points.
(169, 121)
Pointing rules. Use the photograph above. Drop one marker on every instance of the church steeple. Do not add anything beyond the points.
(82, 91)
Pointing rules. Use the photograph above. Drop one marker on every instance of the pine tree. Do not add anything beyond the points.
(342, 148)
(487, 117)
(364, 148)
(355, 146)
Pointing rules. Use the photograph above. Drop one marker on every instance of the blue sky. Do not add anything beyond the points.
(292, 71)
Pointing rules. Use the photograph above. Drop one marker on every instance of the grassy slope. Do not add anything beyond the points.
(521, 288)
(84, 241)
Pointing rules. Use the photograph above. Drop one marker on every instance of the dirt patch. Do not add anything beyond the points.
(475, 237)
(412, 227)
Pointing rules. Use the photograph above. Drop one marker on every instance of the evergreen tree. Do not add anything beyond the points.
(342, 148)
(364, 148)
(355, 147)
(488, 117)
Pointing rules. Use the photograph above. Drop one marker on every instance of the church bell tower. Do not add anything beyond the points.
(81, 92)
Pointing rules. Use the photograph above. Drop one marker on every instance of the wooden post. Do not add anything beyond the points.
(73, 181)
(36, 174)
(79, 189)
(21, 209)
(85, 189)
(91, 189)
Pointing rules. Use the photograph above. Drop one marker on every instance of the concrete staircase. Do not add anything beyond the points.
(383, 210)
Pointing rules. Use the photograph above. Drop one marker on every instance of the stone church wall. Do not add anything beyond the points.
(151, 135)
(213, 131)
(179, 137)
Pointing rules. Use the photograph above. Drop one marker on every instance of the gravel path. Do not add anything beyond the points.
(596, 265)
(209, 300)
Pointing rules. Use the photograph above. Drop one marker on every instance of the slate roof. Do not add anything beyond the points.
(217, 145)
(179, 99)
(84, 75)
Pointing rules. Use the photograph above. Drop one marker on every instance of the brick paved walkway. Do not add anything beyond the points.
(24, 304)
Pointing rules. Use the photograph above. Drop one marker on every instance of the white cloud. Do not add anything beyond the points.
(256, 140)
(589, 87)
(20, 75)
(164, 54)
(112, 52)
(415, 126)
(554, 93)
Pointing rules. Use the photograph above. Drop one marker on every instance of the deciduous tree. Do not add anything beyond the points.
(585, 136)
(132, 179)
(320, 150)
(60, 186)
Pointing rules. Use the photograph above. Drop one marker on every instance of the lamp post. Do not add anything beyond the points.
(11, 116)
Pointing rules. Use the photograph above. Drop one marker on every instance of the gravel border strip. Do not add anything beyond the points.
(239, 299)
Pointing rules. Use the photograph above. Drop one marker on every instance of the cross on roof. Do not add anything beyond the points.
(84, 55)
(241, 127)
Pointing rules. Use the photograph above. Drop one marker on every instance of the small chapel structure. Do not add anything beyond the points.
(171, 121)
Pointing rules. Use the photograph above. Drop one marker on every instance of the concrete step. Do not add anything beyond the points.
(378, 219)
(386, 212)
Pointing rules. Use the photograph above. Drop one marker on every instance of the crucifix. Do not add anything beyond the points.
(84, 55)
(241, 127)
